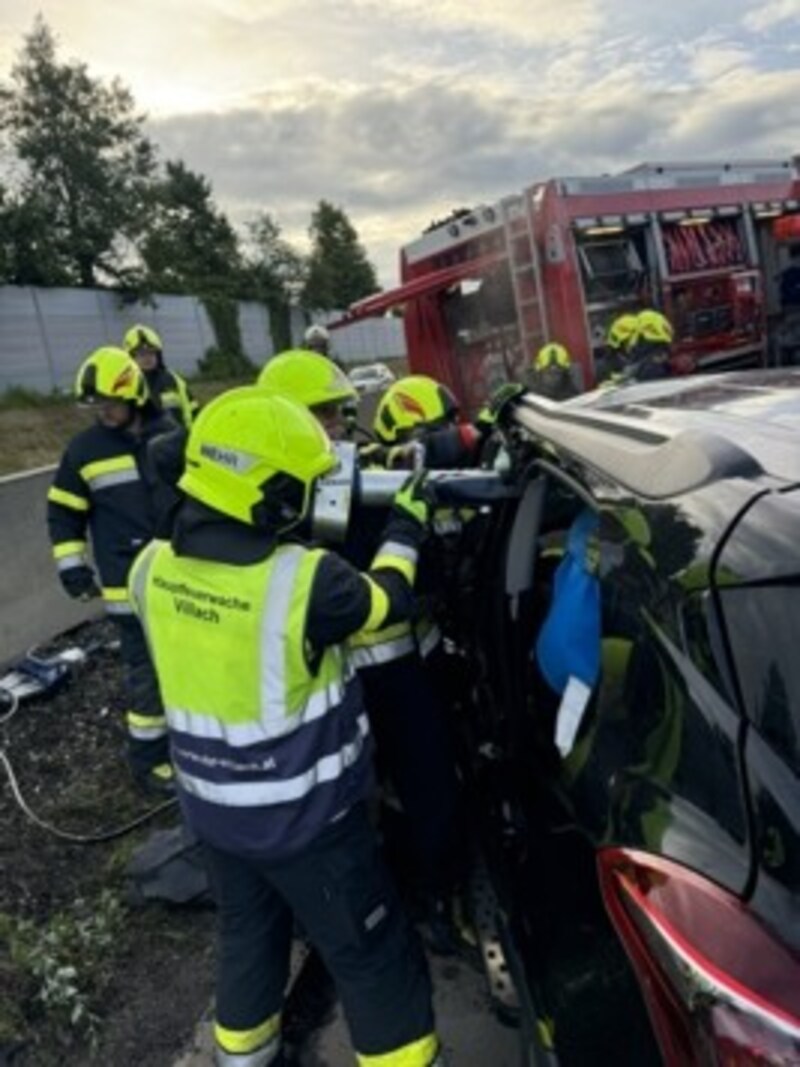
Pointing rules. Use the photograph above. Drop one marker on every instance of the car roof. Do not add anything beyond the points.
(663, 438)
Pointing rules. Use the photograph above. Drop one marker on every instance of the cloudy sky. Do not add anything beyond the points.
(399, 110)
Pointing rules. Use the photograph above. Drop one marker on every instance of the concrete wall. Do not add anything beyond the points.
(370, 340)
(33, 606)
(46, 333)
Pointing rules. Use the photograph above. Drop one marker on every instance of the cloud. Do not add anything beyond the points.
(396, 158)
(536, 22)
(771, 14)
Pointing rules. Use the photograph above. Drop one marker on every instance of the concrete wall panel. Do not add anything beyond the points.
(33, 606)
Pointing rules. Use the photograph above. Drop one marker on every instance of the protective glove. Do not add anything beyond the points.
(503, 396)
(79, 583)
(372, 454)
(411, 500)
(409, 456)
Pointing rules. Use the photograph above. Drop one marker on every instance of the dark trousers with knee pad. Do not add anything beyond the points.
(148, 744)
(340, 893)
(414, 749)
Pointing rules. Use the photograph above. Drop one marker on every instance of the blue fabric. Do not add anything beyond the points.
(569, 641)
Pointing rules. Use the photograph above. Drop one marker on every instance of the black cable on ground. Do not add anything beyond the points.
(66, 835)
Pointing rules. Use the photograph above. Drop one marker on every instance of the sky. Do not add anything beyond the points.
(400, 110)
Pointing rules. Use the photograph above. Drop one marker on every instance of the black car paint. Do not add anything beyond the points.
(697, 758)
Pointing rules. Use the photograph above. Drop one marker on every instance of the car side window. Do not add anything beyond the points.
(762, 626)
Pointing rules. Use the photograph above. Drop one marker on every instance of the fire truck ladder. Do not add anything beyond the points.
(526, 278)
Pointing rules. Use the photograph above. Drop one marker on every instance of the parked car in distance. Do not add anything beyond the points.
(370, 377)
(648, 873)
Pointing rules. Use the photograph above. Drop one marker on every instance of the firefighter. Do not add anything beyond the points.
(552, 373)
(166, 386)
(417, 422)
(269, 737)
(314, 381)
(104, 485)
(620, 335)
(413, 747)
(318, 339)
(650, 347)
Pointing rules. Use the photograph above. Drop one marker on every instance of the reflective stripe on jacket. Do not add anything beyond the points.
(267, 749)
(102, 488)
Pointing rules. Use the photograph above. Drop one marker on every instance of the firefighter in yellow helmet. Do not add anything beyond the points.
(314, 381)
(104, 490)
(270, 739)
(552, 373)
(651, 346)
(167, 387)
(619, 339)
(417, 419)
(413, 748)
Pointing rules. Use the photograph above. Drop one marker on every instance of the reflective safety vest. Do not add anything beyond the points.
(267, 751)
(173, 395)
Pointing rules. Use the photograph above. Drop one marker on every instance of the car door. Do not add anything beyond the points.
(760, 599)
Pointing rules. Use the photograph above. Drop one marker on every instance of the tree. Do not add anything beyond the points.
(189, 245)
(339, 271)
(86, 160)
(275, 270)
(274, 274)
(27, 253)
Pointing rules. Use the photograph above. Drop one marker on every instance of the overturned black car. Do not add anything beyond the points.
(625, 644)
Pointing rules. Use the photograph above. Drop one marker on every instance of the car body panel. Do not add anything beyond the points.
(690, 747)
(370, 377)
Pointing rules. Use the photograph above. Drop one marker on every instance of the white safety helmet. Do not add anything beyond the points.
(317, 338)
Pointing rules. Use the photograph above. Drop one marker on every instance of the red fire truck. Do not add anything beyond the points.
(715, 246)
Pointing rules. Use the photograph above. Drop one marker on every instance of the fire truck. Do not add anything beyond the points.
(715, 246)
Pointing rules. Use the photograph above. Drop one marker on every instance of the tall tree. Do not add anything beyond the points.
(28, 255)
(276, 271)
(274, 274)
(338, 271)
(86, 160)
(189, 246)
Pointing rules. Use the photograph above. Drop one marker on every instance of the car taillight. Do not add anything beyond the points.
(720, 987)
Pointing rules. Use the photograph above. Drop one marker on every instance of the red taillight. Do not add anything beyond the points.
(720, 987)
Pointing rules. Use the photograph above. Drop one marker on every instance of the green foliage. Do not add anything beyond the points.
(16, 397)
(68, 961)
(226, 359)
(339, 271)
(189, 245)
(273, 274)
(28, 255)
(86, 162)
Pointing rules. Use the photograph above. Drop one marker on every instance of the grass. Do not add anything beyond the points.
(35, 427)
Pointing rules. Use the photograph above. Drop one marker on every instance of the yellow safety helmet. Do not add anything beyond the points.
(621, 332)
(110, 374)
(255, 456)
(307, 377)
(653, 327)
(414, 402)
(552, 355)
(139, 336)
